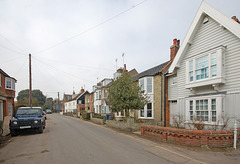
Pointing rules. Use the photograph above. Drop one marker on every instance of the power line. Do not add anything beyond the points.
(91, 28)
(22, 52)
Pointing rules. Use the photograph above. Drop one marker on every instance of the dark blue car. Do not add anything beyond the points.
(27, 118)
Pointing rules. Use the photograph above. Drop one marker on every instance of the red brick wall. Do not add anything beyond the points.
(198, 138)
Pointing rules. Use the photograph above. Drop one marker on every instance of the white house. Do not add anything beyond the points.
(204, 78)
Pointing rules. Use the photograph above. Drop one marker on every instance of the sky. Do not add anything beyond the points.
(76, 43)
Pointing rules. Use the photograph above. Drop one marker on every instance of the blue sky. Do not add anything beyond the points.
(75, 43)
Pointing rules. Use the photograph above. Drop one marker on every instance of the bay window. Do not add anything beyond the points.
(206, 109)
(205, 69)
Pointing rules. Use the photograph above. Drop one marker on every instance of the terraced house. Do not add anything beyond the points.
(153, 83)
(203, 80)
(7, 94)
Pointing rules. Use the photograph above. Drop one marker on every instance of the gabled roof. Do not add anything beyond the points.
(151, 72)
(78, 96)
(6, 75)
(205, 9)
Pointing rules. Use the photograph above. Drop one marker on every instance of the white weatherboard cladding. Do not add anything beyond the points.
(172, 89)
(208, 36)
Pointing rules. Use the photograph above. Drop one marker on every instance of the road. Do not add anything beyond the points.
(71, 140)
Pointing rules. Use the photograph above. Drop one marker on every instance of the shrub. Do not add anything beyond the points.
(86, 115)
(95, 115)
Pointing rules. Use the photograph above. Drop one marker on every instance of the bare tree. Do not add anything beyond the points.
(177, 120)
(198, 122)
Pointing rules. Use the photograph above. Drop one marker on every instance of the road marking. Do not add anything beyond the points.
(180, 155)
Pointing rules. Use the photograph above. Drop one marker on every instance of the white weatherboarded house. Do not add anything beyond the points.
(207, 69)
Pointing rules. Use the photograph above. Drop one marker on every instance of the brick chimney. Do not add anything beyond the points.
(236, 19)
(174, 48)
(82, 90)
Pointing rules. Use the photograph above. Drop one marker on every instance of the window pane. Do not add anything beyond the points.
(142, 113)
(149, 113)
(149, 106)
(142, 84)
(149, 85)
(202, 68)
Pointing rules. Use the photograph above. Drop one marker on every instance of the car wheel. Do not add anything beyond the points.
(13, 132)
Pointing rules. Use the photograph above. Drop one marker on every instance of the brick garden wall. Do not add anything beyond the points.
(197, 138)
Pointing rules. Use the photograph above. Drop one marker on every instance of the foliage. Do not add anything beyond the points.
(125, 94)
(177, 120)
(48, 104)
(95, 115)
(38, 99)
(86, 115)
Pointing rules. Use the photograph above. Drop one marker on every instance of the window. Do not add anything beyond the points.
(214, 65)
(174, 80)
(191, 110)
(206, 109)
(202, 68)
(146, 84)
(100, 95)
(8, 83)
(213, 110)
(105, 93)
(191, 70)
(202, 110)
(149, 85)
(206, 68)
(141, 83)
(147, 112)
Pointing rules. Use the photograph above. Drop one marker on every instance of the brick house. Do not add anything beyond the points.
(89, 106)
(7, 94)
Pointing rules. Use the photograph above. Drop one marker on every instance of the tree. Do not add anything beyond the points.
(125, 94)
(49, 103)
(38, 99)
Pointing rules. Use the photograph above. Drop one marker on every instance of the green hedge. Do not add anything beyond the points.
(98, 116)
(86, 115)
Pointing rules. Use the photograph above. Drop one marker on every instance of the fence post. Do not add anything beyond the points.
(235, 135)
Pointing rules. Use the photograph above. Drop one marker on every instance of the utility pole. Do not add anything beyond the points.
(58, 101)
(30, 81)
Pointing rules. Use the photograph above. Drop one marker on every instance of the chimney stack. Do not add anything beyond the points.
(236, 19)
(82, 90)
(174, 48)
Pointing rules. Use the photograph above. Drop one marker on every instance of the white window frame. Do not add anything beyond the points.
(150, 94)
(219, 78)
(145, 84)
(219, 108)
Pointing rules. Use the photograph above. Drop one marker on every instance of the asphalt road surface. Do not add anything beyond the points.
(69, 140)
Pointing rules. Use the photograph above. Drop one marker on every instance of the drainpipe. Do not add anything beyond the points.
(161, 94)
(235, 135)
(165, 116)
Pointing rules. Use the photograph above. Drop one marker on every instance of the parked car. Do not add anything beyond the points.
(27, 118)
(48, 111)
(45, 115)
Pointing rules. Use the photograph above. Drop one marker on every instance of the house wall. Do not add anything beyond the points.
(6, 97)
(157, 98)
(208, 36)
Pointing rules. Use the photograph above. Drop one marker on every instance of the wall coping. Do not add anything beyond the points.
(187, 131)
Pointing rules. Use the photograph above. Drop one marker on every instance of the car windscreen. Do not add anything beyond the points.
(28, 111)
